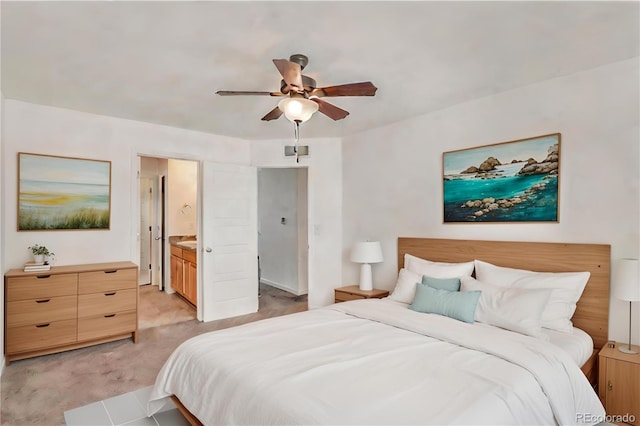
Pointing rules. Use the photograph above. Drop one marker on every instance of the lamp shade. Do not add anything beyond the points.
(367, 252)
(297, 109)
(627, 280)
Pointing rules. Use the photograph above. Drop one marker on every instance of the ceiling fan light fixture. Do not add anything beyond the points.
(298, 110)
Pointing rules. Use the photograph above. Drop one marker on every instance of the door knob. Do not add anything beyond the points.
(208, 250)
(157, 238)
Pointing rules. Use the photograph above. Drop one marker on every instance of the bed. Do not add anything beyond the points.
(381, 361)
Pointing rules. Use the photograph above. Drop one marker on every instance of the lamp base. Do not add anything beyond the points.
(627, 350)
(366, 283)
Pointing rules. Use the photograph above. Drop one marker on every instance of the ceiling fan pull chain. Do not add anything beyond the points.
(297, 134)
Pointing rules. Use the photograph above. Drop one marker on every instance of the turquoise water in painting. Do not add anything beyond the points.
(540, 206)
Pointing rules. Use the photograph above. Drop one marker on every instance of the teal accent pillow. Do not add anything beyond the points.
(460, 305)
(449, 284)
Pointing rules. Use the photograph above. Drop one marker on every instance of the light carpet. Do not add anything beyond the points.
(38, 391)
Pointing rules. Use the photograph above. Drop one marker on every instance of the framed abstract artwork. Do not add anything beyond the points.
(63, 193)
(514, 181)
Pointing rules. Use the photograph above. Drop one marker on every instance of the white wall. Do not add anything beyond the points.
(182, 203)
(46, 130)
(56, 131)
(324, 204)
(392, 176)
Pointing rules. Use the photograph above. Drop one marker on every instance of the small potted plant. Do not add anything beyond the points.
(40, 253)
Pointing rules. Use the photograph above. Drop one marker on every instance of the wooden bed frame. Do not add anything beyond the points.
(592, 312)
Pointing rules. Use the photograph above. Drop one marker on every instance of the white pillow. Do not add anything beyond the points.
(567, 287)
(515, 309)
(437, 269)
(405, 289)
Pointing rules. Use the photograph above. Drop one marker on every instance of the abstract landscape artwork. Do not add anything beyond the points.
(63, 193)
(513, 181)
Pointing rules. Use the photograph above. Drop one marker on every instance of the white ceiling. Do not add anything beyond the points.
(162, 62)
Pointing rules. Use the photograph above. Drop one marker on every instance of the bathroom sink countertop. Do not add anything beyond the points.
(188, 244)
(184, 242)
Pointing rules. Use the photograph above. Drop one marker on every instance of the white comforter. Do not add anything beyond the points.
(373, 362)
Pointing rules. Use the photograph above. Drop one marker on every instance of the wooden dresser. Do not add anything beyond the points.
(69, 307)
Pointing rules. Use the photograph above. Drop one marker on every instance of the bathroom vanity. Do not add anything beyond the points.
(184, 269)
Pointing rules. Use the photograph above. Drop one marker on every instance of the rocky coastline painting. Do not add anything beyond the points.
(62, 193)
(513, 181)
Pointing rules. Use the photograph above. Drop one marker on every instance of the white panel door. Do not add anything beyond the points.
(144, 276)
(229, 239)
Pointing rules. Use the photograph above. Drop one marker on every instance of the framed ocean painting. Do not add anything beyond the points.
(63, 193)
(514, 181)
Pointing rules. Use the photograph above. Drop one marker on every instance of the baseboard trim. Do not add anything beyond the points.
(280, 286)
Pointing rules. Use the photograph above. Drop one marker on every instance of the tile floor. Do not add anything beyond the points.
(127, 409)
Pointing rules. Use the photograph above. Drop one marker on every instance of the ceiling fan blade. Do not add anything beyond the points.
(330, 110)
(239, 92)
(352, 89)
(274, 114)
(291, 73)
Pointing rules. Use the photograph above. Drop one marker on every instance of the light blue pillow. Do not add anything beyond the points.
(460, 305)
(449, 284)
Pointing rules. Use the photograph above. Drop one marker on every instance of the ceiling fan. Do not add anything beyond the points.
(302, 95)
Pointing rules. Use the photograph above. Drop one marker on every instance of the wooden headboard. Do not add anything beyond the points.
(592, 312)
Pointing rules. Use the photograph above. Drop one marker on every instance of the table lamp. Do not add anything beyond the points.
(627, 287)
(367, 252)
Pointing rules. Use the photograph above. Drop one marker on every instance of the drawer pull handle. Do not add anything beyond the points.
(111, 272)
(43, 325)
(110, 294)
(110, 316)
(41, 277)
(43, 301)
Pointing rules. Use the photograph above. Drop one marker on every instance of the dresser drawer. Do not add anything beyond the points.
(106, 325)
(106, 302)
(39, 311)
(45, 335)
(41, 286)
(115, 279)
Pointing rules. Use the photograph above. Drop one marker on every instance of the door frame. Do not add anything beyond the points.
(135, 203)
(302, 252)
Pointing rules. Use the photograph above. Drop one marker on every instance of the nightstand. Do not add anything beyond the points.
(619, 383)
(353, 292)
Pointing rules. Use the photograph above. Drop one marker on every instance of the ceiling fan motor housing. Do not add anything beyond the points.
(299, 59)
(307, 82)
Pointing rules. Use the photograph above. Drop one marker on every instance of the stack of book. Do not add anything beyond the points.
(36, 266)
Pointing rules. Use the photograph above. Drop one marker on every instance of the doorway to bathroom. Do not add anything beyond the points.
(168, 191)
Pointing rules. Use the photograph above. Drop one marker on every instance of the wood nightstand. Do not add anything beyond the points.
(619, 383)
(353, 292)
